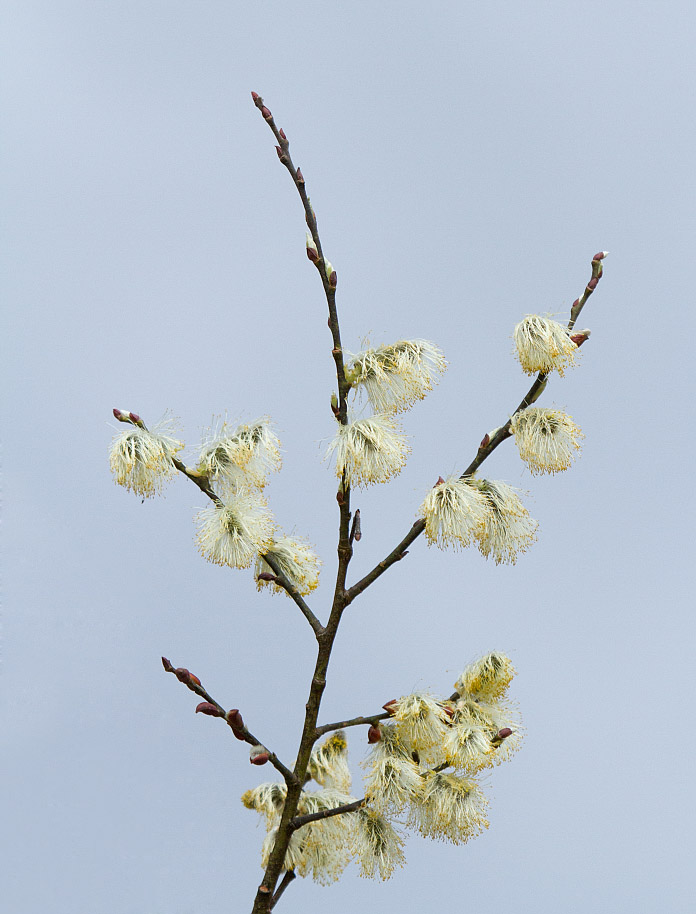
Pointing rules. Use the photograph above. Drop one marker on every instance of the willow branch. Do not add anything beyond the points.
(204, 485)
(287, 879)
(299, 821)
(489, 444)
(353, 722)
(233, 719)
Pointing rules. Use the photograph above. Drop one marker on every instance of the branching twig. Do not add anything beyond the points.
(287, 879)
(489, 444)
(353, 722)
(299, 821)
(242, 732)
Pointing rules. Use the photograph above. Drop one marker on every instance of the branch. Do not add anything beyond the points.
(204, 485)
(287, 879)
(232, 718)
(328, 281)
(489, 444)
(299, 821)
(353, 722)
(292, 591)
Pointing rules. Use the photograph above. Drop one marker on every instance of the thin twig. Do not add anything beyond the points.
(488, 445)
(244, 734)
(204, 485)
(353, 722)
(287, 879)
(299, 821)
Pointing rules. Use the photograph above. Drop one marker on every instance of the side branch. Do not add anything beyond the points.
(232, 718)
(204, 485)
(489, 444)
(353, 722)
(299, 821)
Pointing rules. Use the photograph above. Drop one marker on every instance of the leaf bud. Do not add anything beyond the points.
(389, 706)
(266, 113)
(207, 707)
(259, 755)
(183, 675)
(580, 337)
(312, 251)
(374, 734)
(167, 665)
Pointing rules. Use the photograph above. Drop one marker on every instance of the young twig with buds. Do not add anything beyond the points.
(425, 751)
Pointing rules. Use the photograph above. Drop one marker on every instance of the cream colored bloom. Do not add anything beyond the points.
(326, 843)
(377, 846)
(508, 529)
(234, 533)
(328, 763)
(420, 721)
(454, 513)
(467, 746)
(543, 345)
(141, 459)
(492, 716)
(369, 450)
(548, 440)
(295, 857)
(296, 561)
(393, 779)
(266, 799)
(487, 678)
(240, 459)
(395, 376)
(451, 808)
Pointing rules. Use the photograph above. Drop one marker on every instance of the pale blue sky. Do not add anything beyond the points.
(466, 161)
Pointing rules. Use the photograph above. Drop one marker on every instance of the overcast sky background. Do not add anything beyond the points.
(465, 160)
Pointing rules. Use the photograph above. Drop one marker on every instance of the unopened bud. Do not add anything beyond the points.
(282, 133)
(374, 735)
(328, 267)
(136, 420)
(300, 177)
(207, 707)
(334, 405)
(601, 255)
(266, 576)
(259, 755)
(333, 279)
(504, 733)
(592, 284)
(485, 441)
(389, 706)
(255, 95)
(580, 337)
(235, 720)
(183, 675)
(167, 665)
(266, 113)
(439, 482)
(312, 251)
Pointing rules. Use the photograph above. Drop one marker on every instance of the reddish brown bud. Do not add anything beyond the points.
(266, 576)
(207, 707)
(592, 284)
(333, 279)
(255, 95)
(576, 303)
(313, 255)
(504, 733)
(167, 665)
(581, 337)
(282, 133)
(266, 113)
(485, 441)
(374, 735)
(389, 706)
(183, 675)
(259, 755)
(601, 255)
(439, 482)
(300, 177)
(281, 154)
(448, 711)
(134, 417)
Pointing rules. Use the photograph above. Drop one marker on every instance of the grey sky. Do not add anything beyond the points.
(465, 162)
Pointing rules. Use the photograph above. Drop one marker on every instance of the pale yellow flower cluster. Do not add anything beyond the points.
(459, 511)
(323, 848)
(394, 377)
(141, 458)
(548, 440)
(407, 768)
(544, 345)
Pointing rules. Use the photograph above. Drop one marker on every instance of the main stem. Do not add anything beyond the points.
(326, 636)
